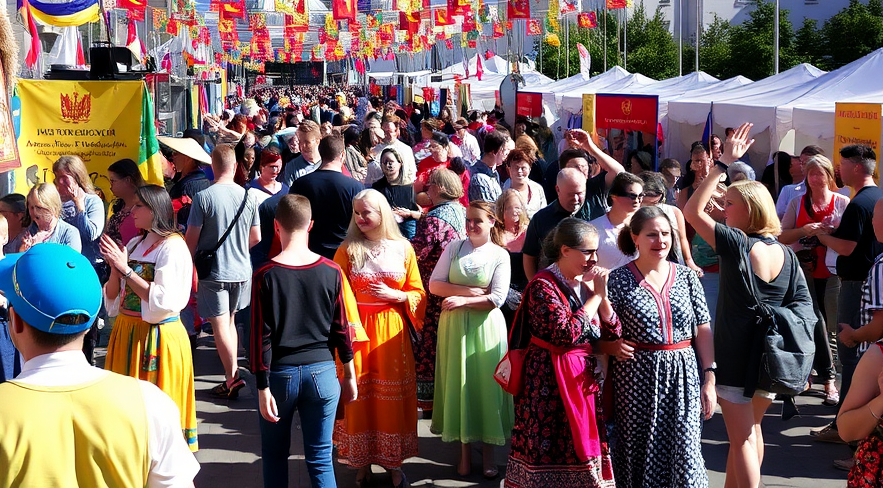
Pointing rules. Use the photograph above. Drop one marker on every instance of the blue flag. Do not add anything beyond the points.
(709, 127)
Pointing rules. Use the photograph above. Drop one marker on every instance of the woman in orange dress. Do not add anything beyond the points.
(380, 427)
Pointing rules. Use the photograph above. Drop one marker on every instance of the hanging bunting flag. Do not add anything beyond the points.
(479, 70)
(134, 43)
(456, 7)
(343, 9)
(552, 39)
(469, 24)
(534, 27)
(135, 8)
(587, 20)
(160, 19)
(568, 7)
(234, 9)
(443, 17)
(498, 30)
(30, 25)
(615, 4)
(552, 17)
(518, 9)
(330, 26)
(449, 44)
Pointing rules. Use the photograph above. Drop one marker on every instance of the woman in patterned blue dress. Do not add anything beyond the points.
(659, 397)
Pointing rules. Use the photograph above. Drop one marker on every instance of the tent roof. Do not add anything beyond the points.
(813, 113)
(578, 80)
(495, 64)
(693, 108)
(572, 101)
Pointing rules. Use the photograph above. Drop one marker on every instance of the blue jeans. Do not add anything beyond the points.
(313, 391)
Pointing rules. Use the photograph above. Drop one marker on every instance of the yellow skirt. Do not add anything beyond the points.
(161, 357)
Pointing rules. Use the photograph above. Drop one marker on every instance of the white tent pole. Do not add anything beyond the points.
(680, 37)
(776, 40)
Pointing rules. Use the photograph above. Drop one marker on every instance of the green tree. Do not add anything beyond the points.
(809, 45)
(651, 49)
(751, 43)
(714, 50)
(852, 33)
(561, 62)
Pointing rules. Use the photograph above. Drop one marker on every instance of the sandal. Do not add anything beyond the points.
(490, 472)
(832, 396)
(231, 391)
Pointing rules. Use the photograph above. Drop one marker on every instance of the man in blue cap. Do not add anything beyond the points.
(62, 421)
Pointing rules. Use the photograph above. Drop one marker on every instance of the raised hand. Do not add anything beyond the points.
(737, 144)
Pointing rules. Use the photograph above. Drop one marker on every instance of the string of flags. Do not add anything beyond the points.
(351, 29)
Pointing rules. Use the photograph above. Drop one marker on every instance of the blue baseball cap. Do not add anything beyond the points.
(48, 282)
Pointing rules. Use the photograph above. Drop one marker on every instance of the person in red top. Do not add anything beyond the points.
(817, 212)
(439, 158)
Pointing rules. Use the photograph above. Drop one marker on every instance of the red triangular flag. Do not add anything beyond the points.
(478, 69)
(28, 18)
(81, 59)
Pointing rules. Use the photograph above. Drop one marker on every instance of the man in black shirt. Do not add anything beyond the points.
(855, 243)
(332, 192)
(571, 190)
(300, 324)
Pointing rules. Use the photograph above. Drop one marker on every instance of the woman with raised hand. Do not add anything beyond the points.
(381, 426)
(749, 235)
(149, 285)
(80, 207)
(660, 396)
(473, 277)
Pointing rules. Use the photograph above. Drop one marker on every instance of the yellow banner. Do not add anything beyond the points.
(857, 123)
(589, 112)
(99, 121)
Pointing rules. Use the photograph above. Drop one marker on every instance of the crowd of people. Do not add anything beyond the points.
(381, 261)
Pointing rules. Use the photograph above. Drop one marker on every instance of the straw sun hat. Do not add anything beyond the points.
(187, 147)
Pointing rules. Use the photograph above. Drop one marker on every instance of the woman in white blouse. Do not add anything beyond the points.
(149, 285)
(473, 275)
(519, 164)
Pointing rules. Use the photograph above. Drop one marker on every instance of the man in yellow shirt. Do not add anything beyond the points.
(64, 423)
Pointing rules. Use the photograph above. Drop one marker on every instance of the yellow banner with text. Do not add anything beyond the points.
(99, 121)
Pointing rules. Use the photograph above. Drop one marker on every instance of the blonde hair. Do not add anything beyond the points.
(824, 164)
(501, 205)
(356, 241)
(46, 195)
(77, 168)
(527, 144)
(449, 184)
(762, 217)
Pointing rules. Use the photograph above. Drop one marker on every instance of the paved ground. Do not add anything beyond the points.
(230, 445)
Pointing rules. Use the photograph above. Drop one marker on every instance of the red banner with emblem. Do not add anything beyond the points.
(627, 112)
(529, 104)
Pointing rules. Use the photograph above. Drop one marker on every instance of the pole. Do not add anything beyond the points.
(625, 38)
(680, 37)
(776, 40)
(698, 30)
(566, 47)
(604, 41)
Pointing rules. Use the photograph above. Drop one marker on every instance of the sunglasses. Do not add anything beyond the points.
(652, 194)
(632, 196)
(586, 252)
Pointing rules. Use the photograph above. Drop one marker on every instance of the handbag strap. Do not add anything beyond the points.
(232, 224)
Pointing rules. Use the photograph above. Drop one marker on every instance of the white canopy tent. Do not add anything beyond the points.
(484, 92)
(754, 102)
(812, 115)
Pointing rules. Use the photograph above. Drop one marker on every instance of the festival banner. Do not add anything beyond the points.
(589, 112)
(344, 9)
(443, 17)
(99, 121)
(857, 123)
(160, 19)
(529, 104)
(534, 27)
(627, 112)
(615, 4)
(135, 8)
(587, 20)
(518, 9)
(64, 14)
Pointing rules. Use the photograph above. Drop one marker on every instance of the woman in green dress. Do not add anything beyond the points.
(473, 275)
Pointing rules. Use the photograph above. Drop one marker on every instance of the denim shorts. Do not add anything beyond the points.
(735, 394)
(217, 298)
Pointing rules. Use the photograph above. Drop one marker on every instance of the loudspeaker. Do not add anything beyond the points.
(105, 59)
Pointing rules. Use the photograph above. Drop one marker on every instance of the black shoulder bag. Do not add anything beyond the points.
(787, 348)
(204, 259)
